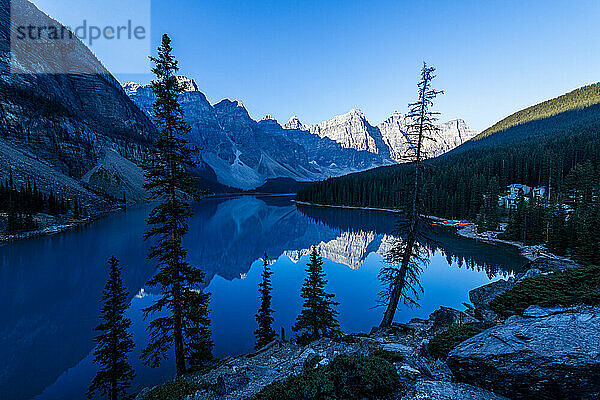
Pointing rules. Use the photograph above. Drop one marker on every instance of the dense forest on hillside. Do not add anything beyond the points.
(22, 202)
(579, 98)
(561, 152)
(455, 184)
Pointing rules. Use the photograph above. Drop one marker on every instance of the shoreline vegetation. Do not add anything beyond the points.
(531, 181)
(350, 342)
(530, 252)
(53, 227)
(435, 352)
(527, 334)
(396, 346)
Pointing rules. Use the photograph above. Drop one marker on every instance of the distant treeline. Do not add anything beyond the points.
(24, 201)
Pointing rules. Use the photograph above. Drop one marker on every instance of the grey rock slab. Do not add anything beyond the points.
(442, 390)
(552, 353)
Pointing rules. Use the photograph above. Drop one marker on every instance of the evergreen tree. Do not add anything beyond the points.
(561, 153)
(586, 248)
(265, 333)
(52, 204)
(517, 220)
(114, 341)
(76, 209)
(318, 317)
(24, 202)
(186, 324)
(400, 280)
(490, 207)
(493, 217)
(558, 240)
(197, 334)
(13, 225)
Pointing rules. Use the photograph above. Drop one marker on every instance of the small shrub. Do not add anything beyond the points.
(564, 288)
(311, 384)
(391, 356)
(357, 377)
(174, 390)
(346, 377)
(441, 344)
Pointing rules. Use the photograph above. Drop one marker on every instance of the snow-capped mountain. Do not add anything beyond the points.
(451, 134)
(352, 131)
(243, 153)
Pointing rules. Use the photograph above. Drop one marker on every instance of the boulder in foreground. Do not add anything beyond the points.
(544, 354)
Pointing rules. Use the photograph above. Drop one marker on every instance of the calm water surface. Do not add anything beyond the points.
(50, 287)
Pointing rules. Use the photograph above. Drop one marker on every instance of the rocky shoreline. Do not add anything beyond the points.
(547, 353)
(531, 252)
(50, 225)
(244, 376)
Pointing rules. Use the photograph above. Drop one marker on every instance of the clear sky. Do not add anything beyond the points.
(316, 59)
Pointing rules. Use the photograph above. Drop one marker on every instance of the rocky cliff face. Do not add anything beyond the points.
(244, 153)
(239, 151)
(84, 129)
(64, 123)
(352, 131)
(388, 139)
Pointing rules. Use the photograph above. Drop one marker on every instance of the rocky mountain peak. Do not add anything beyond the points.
(234, 112)
(294, 123)
(187, 84)
(244, 153)
(268, 118)
(356, 113)
(230, 105)
(131, 87)
(396, 116)
(351, 130)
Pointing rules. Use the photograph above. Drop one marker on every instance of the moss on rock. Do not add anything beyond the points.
(441, 344)
(564, 288)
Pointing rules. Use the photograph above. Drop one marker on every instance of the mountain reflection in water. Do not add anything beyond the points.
(50, 287)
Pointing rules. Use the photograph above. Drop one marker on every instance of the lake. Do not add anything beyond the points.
(50, 286)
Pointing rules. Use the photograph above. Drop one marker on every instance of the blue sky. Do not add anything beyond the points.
(316, 59)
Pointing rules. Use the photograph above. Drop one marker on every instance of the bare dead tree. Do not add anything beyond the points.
(406, 259)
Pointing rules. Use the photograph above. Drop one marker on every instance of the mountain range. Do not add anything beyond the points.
(243, 153)
(83, 135)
